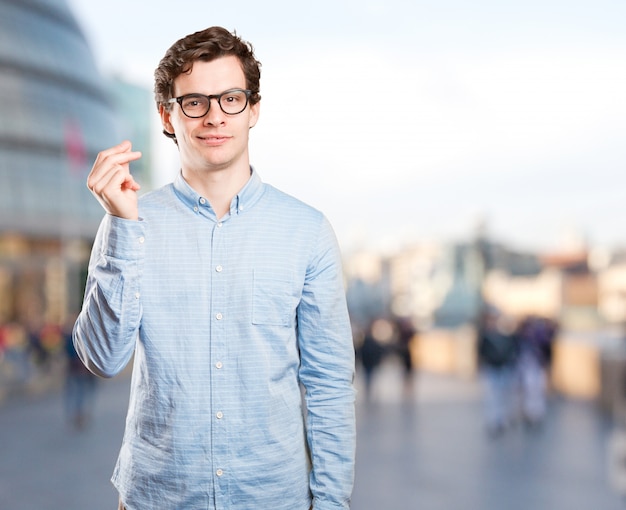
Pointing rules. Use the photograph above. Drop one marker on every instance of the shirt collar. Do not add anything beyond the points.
(242, 201)
(248, 195)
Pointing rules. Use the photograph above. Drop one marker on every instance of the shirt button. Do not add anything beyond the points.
(219, 225)
(195, 208)
(202, 201)
(219, 472)
(219, 415)
(219, 364)
(141, 240)
(219, 316)
(219, 269)
(136, 295)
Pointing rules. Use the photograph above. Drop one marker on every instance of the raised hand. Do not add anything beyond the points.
(111, 182)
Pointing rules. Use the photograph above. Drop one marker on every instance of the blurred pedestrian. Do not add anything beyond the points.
(17, 359)
(405, 339)
(39, 355)
(498, 352)
(80, 386)
(536, 336)
(370, 353)
(229, 294)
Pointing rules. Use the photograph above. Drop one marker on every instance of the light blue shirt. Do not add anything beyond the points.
(242, 390)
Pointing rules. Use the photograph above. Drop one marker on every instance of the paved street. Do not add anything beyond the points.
(428, 453)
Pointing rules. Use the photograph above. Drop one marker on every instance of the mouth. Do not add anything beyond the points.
(213, 140)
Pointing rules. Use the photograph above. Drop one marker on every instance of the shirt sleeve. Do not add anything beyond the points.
(106, 329)
(327, 374)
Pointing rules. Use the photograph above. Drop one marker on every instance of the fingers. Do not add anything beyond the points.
(114, 159)
(111, 182)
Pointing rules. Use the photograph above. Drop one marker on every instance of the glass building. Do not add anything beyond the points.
(57, 114)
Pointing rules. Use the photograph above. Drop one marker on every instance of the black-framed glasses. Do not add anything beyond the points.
(231, 102)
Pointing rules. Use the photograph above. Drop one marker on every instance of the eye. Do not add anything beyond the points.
(193, 101)
(234, 97)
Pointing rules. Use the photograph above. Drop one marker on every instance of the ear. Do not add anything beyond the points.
(165, 119)
(255, 111)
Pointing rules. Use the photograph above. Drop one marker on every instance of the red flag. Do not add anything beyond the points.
(75, 149)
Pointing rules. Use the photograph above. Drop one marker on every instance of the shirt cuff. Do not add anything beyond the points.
(123, 238)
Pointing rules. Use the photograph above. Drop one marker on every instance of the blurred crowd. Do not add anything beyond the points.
(40, 356)
(514, 358)
(383, 338)
(26, 351)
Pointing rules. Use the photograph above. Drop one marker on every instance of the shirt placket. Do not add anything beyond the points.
(219, 368)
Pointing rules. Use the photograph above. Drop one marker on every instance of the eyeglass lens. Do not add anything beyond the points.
(231, 102)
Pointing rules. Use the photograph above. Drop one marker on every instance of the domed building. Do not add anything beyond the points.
(56, 116)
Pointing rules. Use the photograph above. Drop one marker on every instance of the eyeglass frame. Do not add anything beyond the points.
(218, 97)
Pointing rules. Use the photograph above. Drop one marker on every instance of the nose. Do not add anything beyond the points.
(215, 115)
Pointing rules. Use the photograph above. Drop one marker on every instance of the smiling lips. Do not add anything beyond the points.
(214, 140)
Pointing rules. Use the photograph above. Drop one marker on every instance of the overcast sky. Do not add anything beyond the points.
(412, 120)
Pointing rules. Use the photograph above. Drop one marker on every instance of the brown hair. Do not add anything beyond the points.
(205, 45)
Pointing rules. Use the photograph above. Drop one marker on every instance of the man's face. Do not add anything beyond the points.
(215, 141)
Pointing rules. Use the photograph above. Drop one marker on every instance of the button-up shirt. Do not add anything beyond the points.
(242, 390)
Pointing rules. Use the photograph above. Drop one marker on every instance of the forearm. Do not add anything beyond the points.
(332, 441)
(327, 373)
(106, 329)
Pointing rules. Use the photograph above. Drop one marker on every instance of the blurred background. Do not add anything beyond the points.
(470, 156)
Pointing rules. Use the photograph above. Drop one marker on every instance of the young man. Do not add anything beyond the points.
(229, 295)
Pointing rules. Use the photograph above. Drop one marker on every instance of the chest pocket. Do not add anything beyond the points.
(274, 299)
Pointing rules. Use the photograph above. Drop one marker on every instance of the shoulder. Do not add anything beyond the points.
(295, 221)
(290, 206)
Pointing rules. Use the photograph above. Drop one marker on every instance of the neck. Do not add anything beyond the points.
(218, 187)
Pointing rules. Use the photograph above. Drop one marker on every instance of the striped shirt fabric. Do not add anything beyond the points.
(242, 391)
